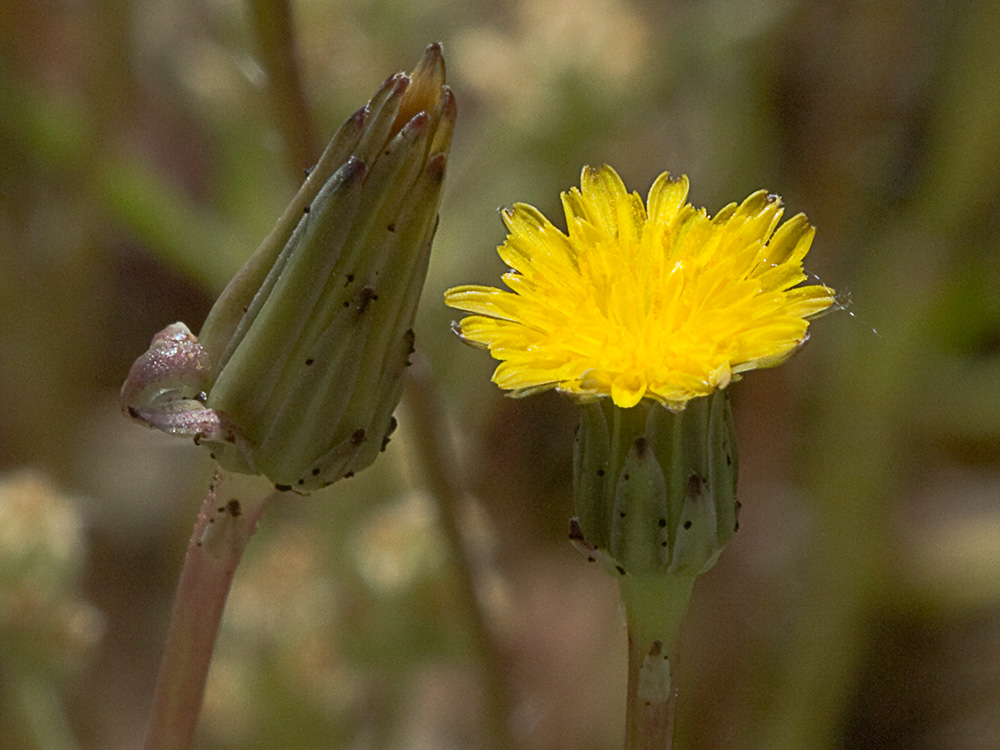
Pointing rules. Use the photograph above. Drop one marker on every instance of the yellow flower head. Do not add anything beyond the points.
(658, 301)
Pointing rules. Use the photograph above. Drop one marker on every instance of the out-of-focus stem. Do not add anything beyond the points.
(39, 709)
(437, 454)
(275, 36)
(211, 560)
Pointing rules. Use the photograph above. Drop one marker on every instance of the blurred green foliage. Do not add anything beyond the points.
(145, 148)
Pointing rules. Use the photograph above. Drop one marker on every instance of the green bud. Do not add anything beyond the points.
(301, 359)
(655, 489)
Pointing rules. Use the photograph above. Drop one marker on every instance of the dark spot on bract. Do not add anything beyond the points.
(309, 361)
(283, 487)
(348, 279)
(591, 559)
(358, 436)
(392, 227)
(234, 508)
(695, 486)
(625, 477)
(663, 543)
(301, 482)
(348, 475)
(662, 522)
(133, 413)
(622, 514)
(620, 569)
(687, 524)
(306, 209)
(365, 296)
(315, 472)
(600, 472)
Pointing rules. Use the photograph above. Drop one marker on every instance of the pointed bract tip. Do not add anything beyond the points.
(425, 91)
(436, 167)
(417, 123)
(432, 63)
(358, 118)
(400, 84)
(448, 107)
(354, 169)
(641, 446)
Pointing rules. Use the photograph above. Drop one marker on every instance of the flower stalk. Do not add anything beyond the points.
(220, 535)
(654, 610)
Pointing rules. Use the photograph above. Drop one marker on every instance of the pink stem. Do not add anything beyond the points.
(649, 724)
(208, 570)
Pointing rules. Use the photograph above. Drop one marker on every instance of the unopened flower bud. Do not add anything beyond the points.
(305, 349)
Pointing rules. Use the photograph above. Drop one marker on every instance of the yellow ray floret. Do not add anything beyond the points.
(658, 301)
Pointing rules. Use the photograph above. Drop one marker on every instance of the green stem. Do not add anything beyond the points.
(654, 609)
(436, 454)
(275, 37)
(39, 709)
(208, 570)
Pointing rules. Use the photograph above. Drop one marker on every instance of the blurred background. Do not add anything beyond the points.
(146, 146)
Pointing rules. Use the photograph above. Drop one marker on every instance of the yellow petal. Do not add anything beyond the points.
(665, 303)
